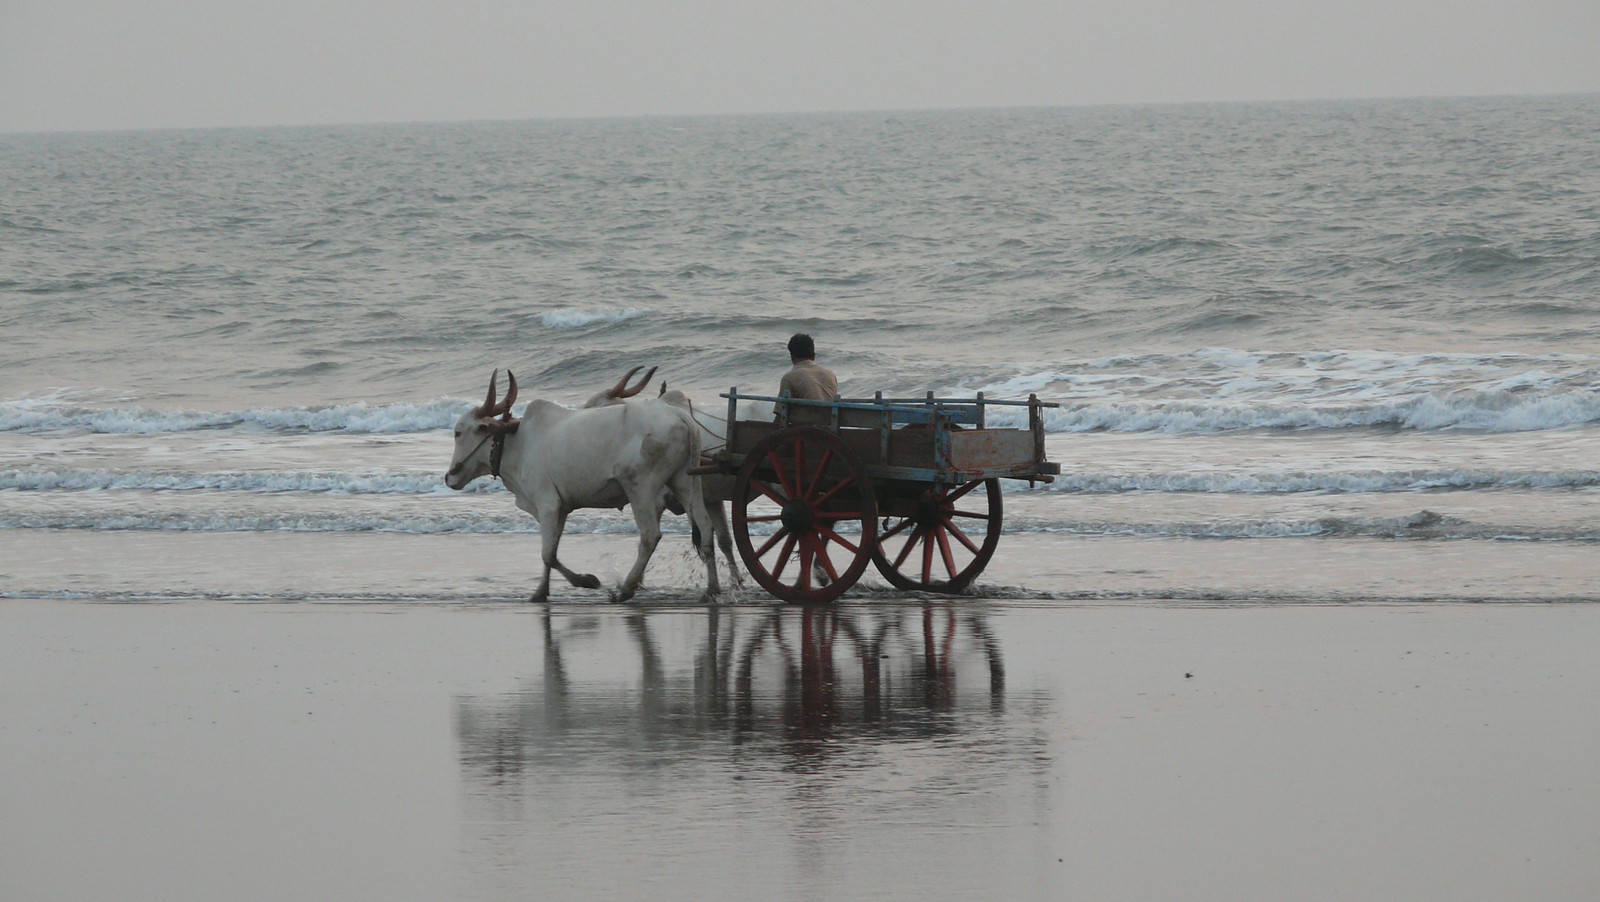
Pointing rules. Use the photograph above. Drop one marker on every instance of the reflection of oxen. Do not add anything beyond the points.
(797, 681)
(739, 752)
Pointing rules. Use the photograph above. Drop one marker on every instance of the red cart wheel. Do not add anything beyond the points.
(933, 548)
(812, 491)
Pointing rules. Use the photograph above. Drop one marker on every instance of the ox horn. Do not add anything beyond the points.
(511, 396)
(621, 389)
(490, 409)
(487, 408)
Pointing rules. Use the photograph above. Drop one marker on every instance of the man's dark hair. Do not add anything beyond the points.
(801, 347)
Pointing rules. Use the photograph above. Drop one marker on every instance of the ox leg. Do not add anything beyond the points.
(705, 527)
(647, 516)
(724, 536)
(550, 541)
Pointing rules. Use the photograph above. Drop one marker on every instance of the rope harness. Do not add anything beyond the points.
(496, 451)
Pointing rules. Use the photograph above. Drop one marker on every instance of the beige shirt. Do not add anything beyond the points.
(809, 382)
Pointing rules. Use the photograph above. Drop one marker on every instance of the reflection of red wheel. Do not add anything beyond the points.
(931, 546)
(813, 490)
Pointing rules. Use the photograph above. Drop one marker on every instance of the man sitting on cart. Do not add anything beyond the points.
(807, 380)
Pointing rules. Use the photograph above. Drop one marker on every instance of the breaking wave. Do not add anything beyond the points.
(1491, 412)
(572, 318)
(430, 483)
(74, 480)
(1321, 483)
(1499, 412)
(376, 419)
(1421, 525)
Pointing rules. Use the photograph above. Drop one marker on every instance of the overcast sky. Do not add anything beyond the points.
(116, 64)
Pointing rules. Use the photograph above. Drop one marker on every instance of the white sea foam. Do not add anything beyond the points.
(1520, 397)
(48, 416)
(79, 480)
(1332, 482)
(569, 318)
(1222, 389)
(1420, 525)
(1263, 483)
(510, 521)
(1486, 412)
(1423, 524)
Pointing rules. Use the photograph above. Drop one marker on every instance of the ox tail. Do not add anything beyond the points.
(699, 516)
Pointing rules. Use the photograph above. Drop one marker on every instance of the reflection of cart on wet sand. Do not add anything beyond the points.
(801, 681)
(911, 485)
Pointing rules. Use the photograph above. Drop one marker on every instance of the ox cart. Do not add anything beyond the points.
(911, 485)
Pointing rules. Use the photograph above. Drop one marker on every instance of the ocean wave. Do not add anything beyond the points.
(1332, 483)
(511, 521)
(272, 482)
(267, 483)
(1422, 525)
(1513, 403)
(377, 419)
(1498, 411)
(571, 318)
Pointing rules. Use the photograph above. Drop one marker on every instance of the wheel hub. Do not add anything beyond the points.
(796, 516)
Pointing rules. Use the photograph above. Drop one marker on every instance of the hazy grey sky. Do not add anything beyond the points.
(113, 64)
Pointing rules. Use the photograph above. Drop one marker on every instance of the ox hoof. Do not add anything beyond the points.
(586, 581)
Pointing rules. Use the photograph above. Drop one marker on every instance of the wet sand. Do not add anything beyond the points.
(1016, 748)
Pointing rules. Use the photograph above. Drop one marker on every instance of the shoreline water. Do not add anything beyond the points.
(1239, 752)
(475, 569)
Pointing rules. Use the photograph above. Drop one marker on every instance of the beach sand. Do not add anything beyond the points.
(1014, 747)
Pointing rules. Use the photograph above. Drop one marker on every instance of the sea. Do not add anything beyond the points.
(1312, 352)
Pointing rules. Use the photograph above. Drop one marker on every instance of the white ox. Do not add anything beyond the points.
(556, 460)
(712, 430)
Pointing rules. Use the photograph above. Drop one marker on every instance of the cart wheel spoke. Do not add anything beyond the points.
(782, 474)
(831, 536)
(827, 562)
(822, 467)
(898, 528)
(950, 570)
(843, 483)
(960, 493)
(807, 555)
(905, 550)
(767, 546)
(783, 556)
(961, 536)
(766, 490)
